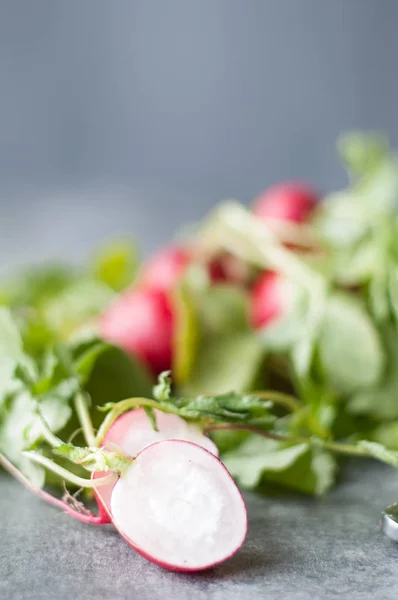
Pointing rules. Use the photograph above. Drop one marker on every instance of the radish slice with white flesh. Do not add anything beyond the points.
(133, 431)
(178, 506)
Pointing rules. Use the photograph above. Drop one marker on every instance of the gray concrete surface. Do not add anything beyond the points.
(297, 549)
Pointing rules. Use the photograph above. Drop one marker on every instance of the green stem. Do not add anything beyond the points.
(47, 434)
(67, 475)
(118, 410)
(340, 448)
(84, 419)
(280, 398)
(347, 449)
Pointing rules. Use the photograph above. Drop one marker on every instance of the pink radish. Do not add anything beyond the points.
(165, 268)
(178, 506)
(141, 322)
(289, 201)
(133, 431)
(266, 299)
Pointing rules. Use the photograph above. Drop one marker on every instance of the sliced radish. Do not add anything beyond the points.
(179, 507)
(133, 431)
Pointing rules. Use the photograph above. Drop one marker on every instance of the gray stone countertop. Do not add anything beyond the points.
(297, 549)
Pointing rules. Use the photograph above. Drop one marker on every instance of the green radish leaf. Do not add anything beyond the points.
(342, 221)
(115, 377)
(85, 357)
(393, 290)
(221, 316)
(36, 285)
(355, 266)
(385, 434)
(362, 151)
(228, 439)
(20, 428)
(381, 401)
(296, 466)
(349, 346)
(186, 334)
(116, 264)
(162, 390)
(229, 407)
(379, 191)
(227, 362)
(379, 452)
(76, 305)
(282, 334)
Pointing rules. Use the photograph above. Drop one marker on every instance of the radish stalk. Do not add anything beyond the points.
(85, 419)
(67, 475)
(83, 515)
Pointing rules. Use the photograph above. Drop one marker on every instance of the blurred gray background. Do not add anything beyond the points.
(136, 116)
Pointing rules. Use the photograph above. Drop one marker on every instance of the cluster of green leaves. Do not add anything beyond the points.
(49, 357)
(335, 346)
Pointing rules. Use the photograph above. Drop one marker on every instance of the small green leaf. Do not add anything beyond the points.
(385, 434)
(85, 359)
(94, 459)
(216, 336)
(349, 346)
(227, 362)
(379, 452)
(381, 400)
(117, 376)
(229, 407)
(116, 264)
(186, 334)
(362, 151)
(299, 467)
(76, 305)
(162, 390)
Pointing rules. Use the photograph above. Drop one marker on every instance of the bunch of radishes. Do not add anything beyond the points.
(168, 494)
(141, 320)
(191, 514)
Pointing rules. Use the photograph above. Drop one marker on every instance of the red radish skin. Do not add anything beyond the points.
(289, 201)
(165, 268)
(266, 300)
(191, 513)
(133, 431)
(141, 322)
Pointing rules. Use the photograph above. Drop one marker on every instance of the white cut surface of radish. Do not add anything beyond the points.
(179, 507)
(133, 431)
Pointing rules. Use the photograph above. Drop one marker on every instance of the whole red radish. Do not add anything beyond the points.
(133, 431)
(163, 270)
(266, 299)
(288, 201)
(178, 506)
(141, 322)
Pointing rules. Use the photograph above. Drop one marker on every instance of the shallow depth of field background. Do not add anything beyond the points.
(136, 116)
